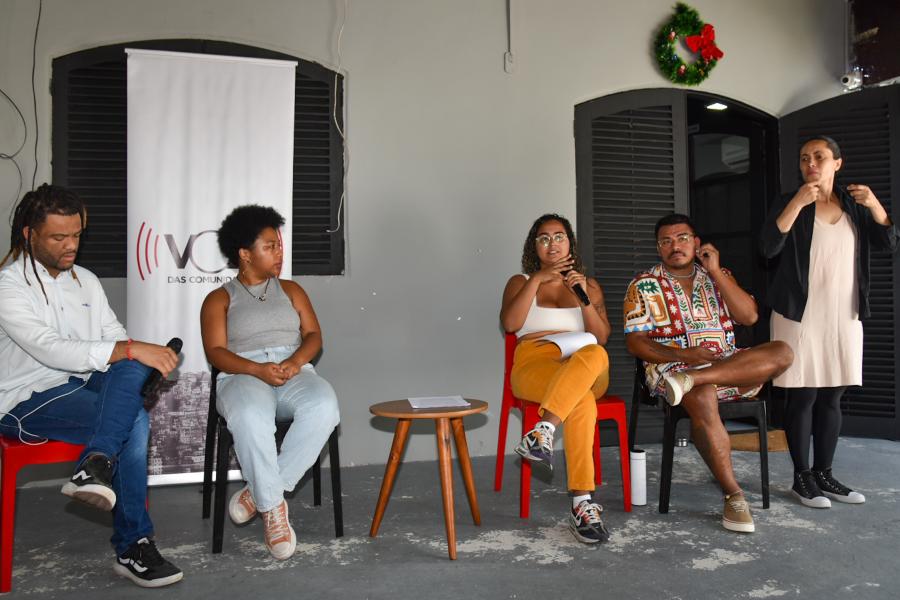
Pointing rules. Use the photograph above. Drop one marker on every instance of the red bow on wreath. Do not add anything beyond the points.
(705, 43)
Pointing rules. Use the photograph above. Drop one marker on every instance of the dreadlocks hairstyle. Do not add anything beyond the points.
(241, 228)
(31, 212)
(530, 261)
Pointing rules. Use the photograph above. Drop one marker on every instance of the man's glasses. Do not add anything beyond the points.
(545, 239)
(681, 238)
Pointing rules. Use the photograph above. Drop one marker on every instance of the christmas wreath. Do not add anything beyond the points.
(699, 37)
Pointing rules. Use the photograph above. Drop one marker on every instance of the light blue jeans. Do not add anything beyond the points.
(251, 407)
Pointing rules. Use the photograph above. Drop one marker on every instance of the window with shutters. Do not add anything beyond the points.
(89, 151)
(631, 171)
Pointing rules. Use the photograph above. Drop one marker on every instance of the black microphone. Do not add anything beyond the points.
(579, 291)
(155, 377)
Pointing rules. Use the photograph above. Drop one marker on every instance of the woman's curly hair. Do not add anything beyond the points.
(241, 228)
(530, 261)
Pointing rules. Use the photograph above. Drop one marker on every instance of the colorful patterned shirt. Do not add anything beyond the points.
(656, 303)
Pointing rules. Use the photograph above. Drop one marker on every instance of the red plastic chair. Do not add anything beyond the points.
(609, 407)
(13, 456)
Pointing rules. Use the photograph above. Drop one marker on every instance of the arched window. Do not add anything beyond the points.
(89, 146)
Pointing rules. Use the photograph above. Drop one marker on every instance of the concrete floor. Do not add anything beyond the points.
(797, 552)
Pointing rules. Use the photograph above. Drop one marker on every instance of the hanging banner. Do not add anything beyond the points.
(205, 134)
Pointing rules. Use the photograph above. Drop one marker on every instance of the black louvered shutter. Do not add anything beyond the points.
(866, 125)
(631, 162)
(90, 143)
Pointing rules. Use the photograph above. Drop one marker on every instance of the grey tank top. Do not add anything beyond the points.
(253, 325)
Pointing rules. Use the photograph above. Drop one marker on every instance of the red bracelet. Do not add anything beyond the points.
(128, 349)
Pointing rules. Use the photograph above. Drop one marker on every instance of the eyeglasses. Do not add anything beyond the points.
(681, 238)
(545, 239)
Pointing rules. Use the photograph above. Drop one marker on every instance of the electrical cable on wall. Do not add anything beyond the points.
(334, 118)
(37, 26)
(12, 156)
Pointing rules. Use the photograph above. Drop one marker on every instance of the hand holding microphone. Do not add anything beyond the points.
(574, 280)
(156, 376)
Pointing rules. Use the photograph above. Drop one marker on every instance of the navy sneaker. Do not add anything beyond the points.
(144, 565)
(537, 446)
(92, 482)
(586, 524)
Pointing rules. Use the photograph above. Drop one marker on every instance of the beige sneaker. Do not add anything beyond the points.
(736, 516)
(241, 507)
(677, 385)
(280, 537)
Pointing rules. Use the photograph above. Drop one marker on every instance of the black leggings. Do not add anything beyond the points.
(816, 412)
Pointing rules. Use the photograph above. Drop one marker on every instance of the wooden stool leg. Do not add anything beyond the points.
(442, 431)
(465, 465)
(390, 472)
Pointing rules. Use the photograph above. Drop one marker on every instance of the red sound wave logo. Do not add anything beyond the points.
(142, 250)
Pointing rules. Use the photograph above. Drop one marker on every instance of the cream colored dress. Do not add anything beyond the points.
(828, 341)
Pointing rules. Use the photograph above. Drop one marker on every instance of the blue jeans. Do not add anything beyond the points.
(107, 415)
(251, 407)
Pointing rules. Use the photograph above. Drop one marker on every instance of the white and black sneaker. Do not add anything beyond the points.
(836, 490)
(144, 565)
(537, 446)
(586, 524)
(92, 482)
(807, 491)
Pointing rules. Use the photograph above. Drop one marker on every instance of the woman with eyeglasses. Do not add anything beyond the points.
(552, 295)
(261, 332)
(823, 233)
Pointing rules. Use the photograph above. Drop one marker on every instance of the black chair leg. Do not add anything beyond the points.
(668, 456)
(224, 446)
(209, 451)
(334, 458)
(762, 422)
(632, 424)
(317, 481)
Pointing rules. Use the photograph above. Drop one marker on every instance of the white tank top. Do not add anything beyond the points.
(551, 319)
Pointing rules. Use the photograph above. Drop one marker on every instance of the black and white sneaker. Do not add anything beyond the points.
(92, 482)
(586, 524)
(836, 490)
(537, 446)
(144, 565)
(807, 491)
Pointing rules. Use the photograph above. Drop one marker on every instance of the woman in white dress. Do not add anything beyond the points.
(821, 289)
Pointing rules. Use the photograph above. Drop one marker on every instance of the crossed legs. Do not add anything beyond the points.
(747, 370)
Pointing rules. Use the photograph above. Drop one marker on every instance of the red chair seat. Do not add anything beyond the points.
(609, 407)
(13, 456)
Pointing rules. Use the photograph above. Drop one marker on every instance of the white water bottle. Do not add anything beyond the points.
(638, 477)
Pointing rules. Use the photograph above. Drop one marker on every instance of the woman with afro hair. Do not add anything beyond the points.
(261, 333)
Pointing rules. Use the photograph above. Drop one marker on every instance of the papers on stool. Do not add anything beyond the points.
(438, 402)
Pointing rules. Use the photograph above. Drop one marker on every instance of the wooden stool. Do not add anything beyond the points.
(444, 420)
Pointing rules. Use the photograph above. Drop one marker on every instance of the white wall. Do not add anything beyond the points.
(451, 158)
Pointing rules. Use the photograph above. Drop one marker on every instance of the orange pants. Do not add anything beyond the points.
(569, 389)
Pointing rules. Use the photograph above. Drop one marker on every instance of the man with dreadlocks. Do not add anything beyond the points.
(69, 372)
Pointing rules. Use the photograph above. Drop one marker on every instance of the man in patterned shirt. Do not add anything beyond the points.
(679, 319)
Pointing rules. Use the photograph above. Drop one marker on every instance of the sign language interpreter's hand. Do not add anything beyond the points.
(863, 195)
(554, 271)
(271, 373)
(807, 194)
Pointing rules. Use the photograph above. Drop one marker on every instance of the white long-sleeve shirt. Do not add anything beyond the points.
(42, 344)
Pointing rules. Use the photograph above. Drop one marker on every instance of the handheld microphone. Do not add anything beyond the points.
(579, 291)
(155, 377)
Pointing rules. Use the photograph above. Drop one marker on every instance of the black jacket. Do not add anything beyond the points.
(788, 291)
